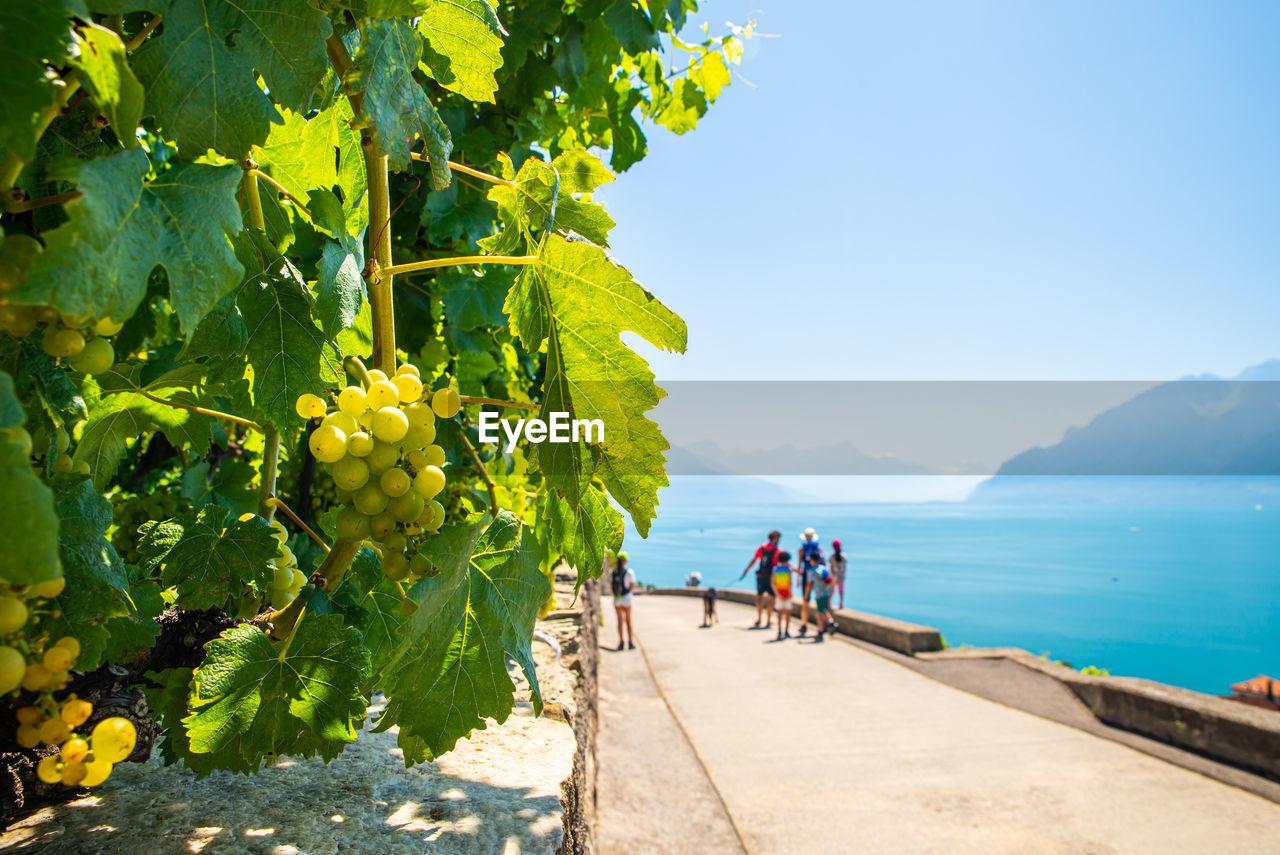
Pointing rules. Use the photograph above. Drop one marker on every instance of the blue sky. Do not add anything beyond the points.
(990, 190)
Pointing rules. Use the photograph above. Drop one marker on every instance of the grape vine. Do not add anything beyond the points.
(261, 270)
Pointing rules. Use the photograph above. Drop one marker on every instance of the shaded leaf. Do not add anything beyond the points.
(104, 69)
(208, 559)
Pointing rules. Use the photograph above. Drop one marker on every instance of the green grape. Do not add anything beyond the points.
(18, 321)
(446, 403)
(408, 368)
(406, 508)
(381, 525)
(419, 436)
(107, 327)
(375, 375)
(429, 481)
(62, 464)
(282, 577)
(409, 386)
(19, 435)
(113, 739)
(420, 565)
(13, 667)
(80, 467)
(435, 455)
(394, 542)
(49, 769)
(351, 473)
(352, 401)
(370, 500)
(309, 406)
(395, 482)
(359, 444)
(285, 556)
(63, 342)
(382, 458)
(13, 614)
(389, 424)
(280, 598)
(417, 458)
(97, 356)
(383, 393)
(420, 413)
(344, 422)
(328, 444)
(395, 566)
(352, 525)
(437, 515)
(299, 581)
(96, 771)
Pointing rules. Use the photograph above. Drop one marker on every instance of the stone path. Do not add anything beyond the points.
(832, 749)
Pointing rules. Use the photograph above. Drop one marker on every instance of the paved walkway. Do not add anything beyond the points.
(832, 749)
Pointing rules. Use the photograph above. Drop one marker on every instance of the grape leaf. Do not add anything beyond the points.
(97, 586)
(449, 673)
(104, 68)
(121, 228)
(463, 47)
(123, 408)
(33, 557)
(34, 34)
(39, 369)
(580, 171)
(288, 352)
(528, 204)
(201, 71)
(302, 153)
(371, 603)
(11, 413)
(393, 99)
(205, 558)
(473, 301)
(583, 303)
(584, 530)
(341, 290)
(632, 27)
(169, 697)
(253, 697)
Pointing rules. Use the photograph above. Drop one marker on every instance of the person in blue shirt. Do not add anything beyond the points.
(810, 559)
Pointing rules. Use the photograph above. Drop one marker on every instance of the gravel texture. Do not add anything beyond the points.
(498, 792)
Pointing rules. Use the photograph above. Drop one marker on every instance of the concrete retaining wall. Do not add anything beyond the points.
(1244, 736)
(581, 655)
(908, 638)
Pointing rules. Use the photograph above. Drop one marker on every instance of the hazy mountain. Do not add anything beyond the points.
(706, 458)
(1202, 426)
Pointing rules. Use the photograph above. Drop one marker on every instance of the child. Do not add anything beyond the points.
(780, 585)
(823, 585)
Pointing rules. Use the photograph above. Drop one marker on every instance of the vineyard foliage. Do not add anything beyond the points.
(262, 267)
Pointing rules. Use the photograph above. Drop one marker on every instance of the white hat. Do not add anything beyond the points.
(810, 534)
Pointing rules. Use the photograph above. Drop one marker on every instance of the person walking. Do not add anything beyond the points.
(780, 588)
(823, 585)
(810, 560)
(623, 580)
(839, 567)
(766, 553)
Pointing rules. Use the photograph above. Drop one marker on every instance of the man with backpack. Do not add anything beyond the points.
(766, 554)
(623, 580)
(810, 560)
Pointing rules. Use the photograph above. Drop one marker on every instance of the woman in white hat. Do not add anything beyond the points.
(810, 559)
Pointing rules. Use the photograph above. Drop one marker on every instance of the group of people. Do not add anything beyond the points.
(817, 576)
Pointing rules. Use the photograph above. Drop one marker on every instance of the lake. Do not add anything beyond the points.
(1184, 595)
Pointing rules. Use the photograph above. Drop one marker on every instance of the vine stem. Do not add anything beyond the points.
(484, 473)
(379, 251)
(465, 170)
(259, 174)
(495, 402)
(355, 365)
(288, 512)
(433, 263)
(11, 166)
(271, 448)
(136, 41)
(204, 411)
(19, 206)
(332, 569)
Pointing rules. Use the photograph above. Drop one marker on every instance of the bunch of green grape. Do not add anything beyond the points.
(131, 511)
(286, 580)
(81, 340)
(378, 444)
(39, 669)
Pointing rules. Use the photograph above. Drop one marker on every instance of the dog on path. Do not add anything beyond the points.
(709, 608)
